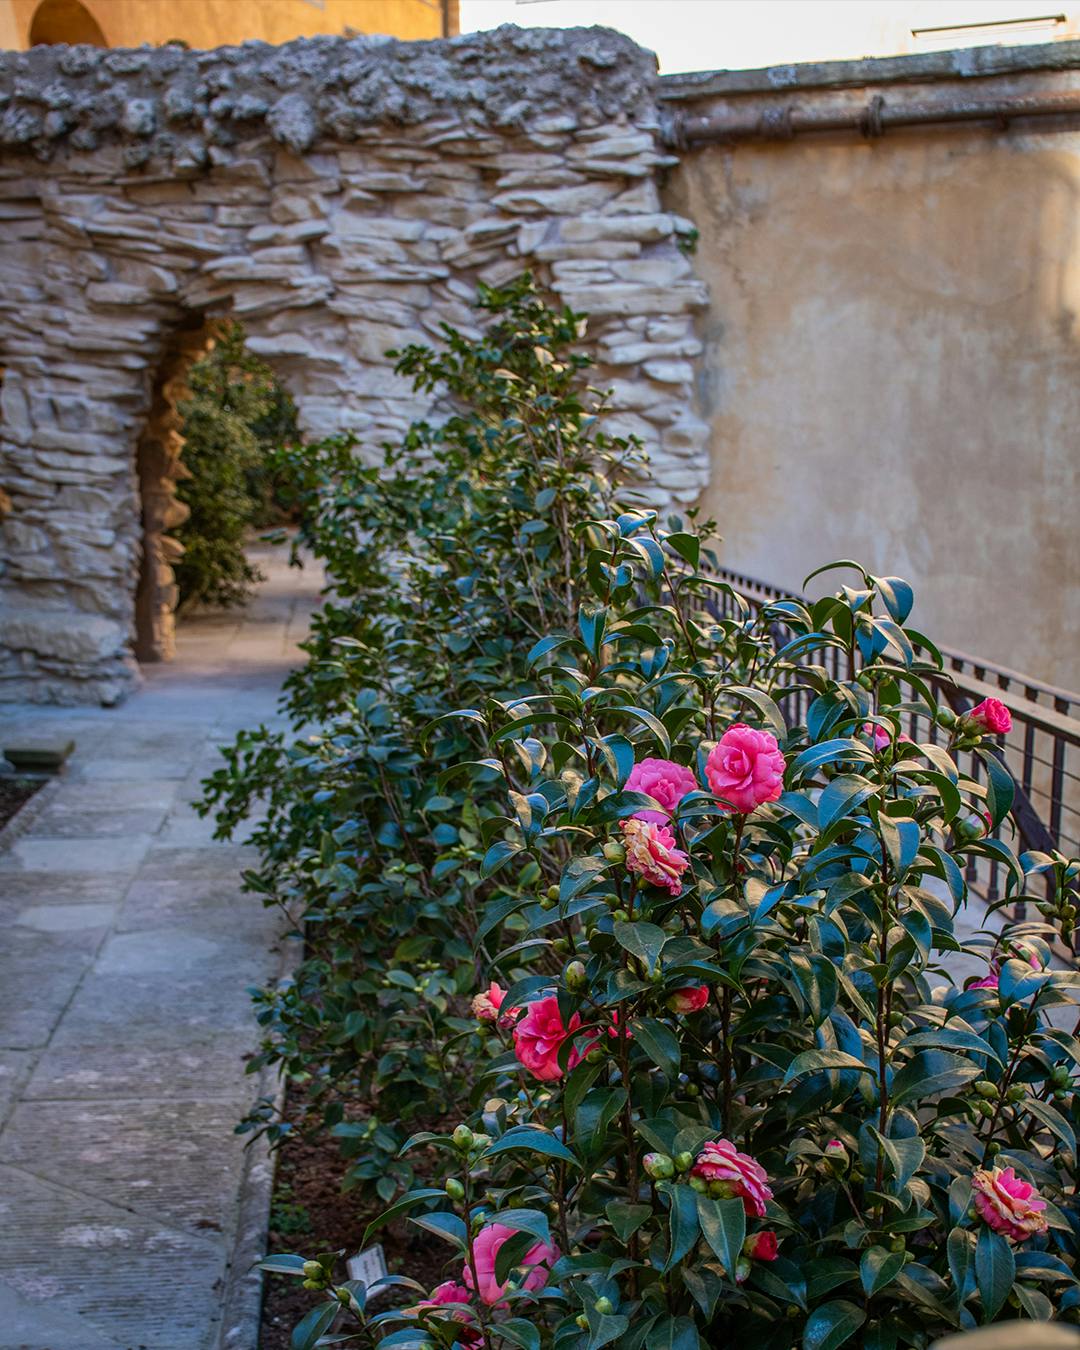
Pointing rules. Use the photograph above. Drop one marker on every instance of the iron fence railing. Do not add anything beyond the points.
(1042, 751)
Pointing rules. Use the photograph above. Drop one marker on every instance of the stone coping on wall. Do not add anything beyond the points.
(965, 63)
(184, 104)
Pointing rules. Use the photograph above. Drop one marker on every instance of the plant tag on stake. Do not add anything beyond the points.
(368, 1267)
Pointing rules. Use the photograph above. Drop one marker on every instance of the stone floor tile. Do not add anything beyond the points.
(210, 1070)
(43, 888)
(91, 919)
(89, 854)
(15, 1071)
(63, 821)
(98, 770)
(210, 905)
(145, 793)
(219, 859)
(39, 973)
(133, 1280)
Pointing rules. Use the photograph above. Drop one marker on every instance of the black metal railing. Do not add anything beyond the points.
(1042, 751)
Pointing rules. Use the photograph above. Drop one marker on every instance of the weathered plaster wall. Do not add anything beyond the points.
(213, 23)
(892, 369)
(340, 198)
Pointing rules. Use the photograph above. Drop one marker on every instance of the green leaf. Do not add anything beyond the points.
(814, 1061)
(643, 940)
(319, 1320)
(841, 797)
(831, 1325)
(604, 1327)
(764, 705)
(521, 1333)
(687, 546)
(995, 1271)
(931, 1072)
(624, 1218)
(443, 1224)
(879, 1267)
(674, 1333)
(524, 1221)
(533, 1140)
(682, 1220)
(497, 855)
(723, 1225)
(659, 1042)
(1000, 788)
(961, 1253)
(285, 1264)
(401, 1207)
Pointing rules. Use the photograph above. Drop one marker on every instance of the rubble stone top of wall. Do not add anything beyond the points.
(183, 104)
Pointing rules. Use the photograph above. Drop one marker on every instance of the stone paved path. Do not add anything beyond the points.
(127, 946)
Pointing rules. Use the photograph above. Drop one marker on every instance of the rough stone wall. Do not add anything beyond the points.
(338, 197)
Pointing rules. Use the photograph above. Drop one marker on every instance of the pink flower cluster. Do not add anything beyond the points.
(538, 1261)
(663, 779)
(1008, 1204)
(880, 735)
(651, 853)
(448, 1300)
(992, 715)
(745, 768)
(726, 1169)
(689, 1000)
(1022, 952)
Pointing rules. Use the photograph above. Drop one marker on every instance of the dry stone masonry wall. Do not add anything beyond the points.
(339, 197)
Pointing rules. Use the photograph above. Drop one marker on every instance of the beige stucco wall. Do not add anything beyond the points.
(214, 23)
(892, 372)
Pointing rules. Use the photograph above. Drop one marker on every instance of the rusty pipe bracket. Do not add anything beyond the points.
(871, 126)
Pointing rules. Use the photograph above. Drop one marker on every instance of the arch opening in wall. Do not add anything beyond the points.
(207, 479)
(67, 21)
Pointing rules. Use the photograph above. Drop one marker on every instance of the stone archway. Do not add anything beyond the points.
(339, 198)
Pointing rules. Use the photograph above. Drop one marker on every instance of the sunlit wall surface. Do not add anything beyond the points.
(215, 23)
(737, 34)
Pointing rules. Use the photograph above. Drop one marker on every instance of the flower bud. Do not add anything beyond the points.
(582, 1321)
(684, 1161)
(604, 1307)
(946, 717)
(594, 1055)
(454, 1189)
(984, 1109)
(560, 945)
(463, 1138)
(985, 1088)
(835, 1151)
(620, 914)
(742, 1270)
(896, 1243)
(545, 903)
(553, 892)
(1060, 1075)
(1016, 1093)
(721, 1190)
(700, 1185)
(614, 851)
(574, 975)
(658, 1165)
(480, 1141)
(312, 1284)
(312, 1269)
(343, 1297)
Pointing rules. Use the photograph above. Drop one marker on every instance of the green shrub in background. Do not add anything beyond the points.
(235, 420)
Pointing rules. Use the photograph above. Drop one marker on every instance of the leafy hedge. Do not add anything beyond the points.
(715, 1081)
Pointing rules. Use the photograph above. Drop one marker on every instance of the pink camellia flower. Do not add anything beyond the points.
(745, 768)
(722, 1165)
(663, 779)
(538, 1260)
(1007, 1203)
(880, 735)
(992, 715)
(1022, 951)
(538, 1038)
(651, 853)
(762, 1246)
(689, 1000)
(446, 1300)
(486, 1004)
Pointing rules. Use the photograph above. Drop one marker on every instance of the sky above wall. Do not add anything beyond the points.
(738, 34)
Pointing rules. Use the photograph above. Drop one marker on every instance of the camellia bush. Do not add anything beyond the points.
(673, 897)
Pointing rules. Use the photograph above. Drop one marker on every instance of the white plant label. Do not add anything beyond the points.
(368, 1267)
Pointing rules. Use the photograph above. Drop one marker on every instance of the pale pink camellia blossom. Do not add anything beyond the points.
(663, 779)
(689, 1000)
(538, 1037)
(720, 1161)
(1008, 1204)
(446, 1300)
(745, 768)
(486, 1004)
(992, 715)
(651, 853)
(537, 1261)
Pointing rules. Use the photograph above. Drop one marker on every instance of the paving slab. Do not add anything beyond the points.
(125, 1022)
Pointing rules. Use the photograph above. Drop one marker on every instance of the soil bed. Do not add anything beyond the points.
(311, 1215)
(13, 793)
